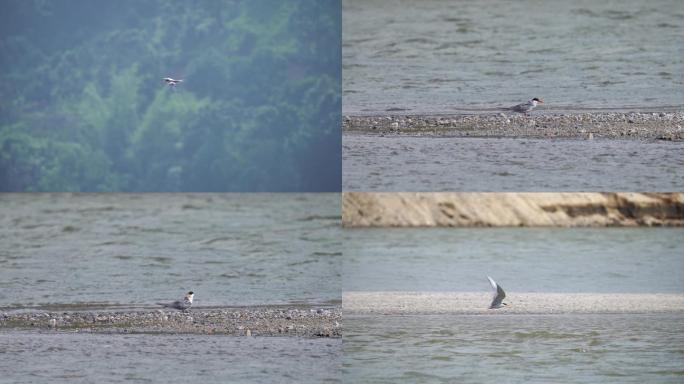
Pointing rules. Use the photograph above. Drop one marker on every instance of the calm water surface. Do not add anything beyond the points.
(444, 56)
(514, 349)
(42, 357)
(563, 260)
(67, 250)
(430, 164)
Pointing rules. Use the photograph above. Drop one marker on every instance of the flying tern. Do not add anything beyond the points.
(184, 304)
(499, 295)
(172, 82)
(527, 106)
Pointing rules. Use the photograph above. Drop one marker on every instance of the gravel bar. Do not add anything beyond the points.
(309, 322)
(586, 125)
(410, 303)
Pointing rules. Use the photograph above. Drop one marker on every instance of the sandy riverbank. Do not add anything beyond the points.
(463, 209)
(404, 303)
(263, 321)
(614, 125)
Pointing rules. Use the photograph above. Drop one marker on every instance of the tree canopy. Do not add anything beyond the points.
(84, 108)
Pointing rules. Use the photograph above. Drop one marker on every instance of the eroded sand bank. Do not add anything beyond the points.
(362, 209)
(399, 303)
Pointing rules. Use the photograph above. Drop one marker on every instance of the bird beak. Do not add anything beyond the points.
(541, 101)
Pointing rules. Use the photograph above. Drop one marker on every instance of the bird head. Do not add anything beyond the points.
(538, 100)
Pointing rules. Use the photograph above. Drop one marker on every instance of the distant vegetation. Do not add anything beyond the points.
(84, 108)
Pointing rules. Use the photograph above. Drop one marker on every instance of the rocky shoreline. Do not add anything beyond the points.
(583, 125)
(308, 322)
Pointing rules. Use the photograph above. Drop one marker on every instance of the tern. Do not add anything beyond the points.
(184, 304)
(499, 295)
(172, 82)
(526, 107)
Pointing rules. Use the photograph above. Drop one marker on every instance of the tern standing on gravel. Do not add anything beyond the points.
(526, 107)
(499, 295)
(184, 304)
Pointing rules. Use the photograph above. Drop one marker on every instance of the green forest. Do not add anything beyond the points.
(84, 106)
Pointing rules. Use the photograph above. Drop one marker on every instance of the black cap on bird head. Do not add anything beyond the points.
(538, 100)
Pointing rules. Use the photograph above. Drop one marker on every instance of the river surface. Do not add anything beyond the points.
(50, 357)
(435, 164)
(449, 56)
(134, 250)
(562, 260)
(637, 348)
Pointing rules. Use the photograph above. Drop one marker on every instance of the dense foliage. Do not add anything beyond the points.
(84, 108)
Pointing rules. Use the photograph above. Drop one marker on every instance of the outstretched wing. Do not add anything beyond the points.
(499, 293)
(493, 283)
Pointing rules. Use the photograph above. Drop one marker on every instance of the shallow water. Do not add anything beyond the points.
(49, 357)
(564, 260)
(431, 164)
(443, 56)
(514, 349)
(66, 250)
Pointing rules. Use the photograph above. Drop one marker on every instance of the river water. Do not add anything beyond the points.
(118, 250)
(445, 56)
(46, 357)
(563, 260)
(434, 164)
(637, 348)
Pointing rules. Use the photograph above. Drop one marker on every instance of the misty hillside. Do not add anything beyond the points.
(84, 107)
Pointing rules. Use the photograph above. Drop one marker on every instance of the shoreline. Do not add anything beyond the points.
(668, 126)
(476, 303)
(262, 321)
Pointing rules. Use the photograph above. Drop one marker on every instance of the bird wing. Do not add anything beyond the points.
(499, 293)
(492, 282)
(520, 107)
